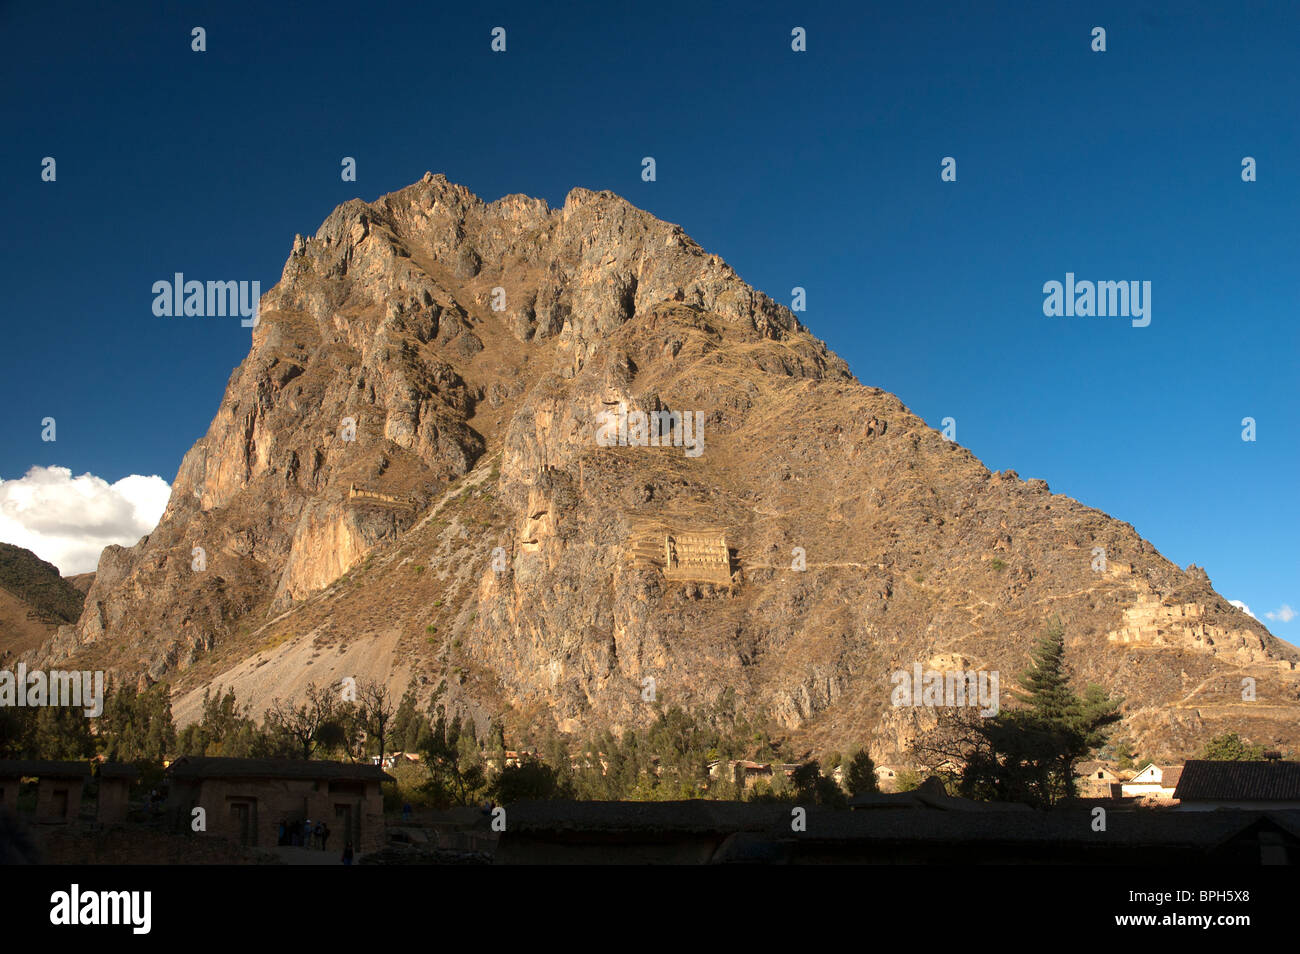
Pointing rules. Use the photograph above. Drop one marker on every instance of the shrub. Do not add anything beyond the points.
(907, 780)
(410, 787)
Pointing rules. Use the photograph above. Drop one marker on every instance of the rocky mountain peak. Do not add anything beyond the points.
(537, 456)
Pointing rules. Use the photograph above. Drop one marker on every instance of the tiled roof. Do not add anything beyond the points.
(1239, 781)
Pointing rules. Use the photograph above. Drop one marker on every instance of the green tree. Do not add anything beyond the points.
(529, 779)
(1229, 747)
(495, 745)
(62, 733)
(554, 751)
(1123, 754)
(860, 775)
(907, 780)
(810, 785)
(1026, 753)
(406, 722)
(220, 724)
(341, 731)
(456, 771)
(16, 727)
(137, 726)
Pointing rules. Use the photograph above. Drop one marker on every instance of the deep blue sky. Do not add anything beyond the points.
(818, 169)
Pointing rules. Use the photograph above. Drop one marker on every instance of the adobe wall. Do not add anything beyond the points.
(290, 799)
(9, 794)
(46, 810)
(113, 800)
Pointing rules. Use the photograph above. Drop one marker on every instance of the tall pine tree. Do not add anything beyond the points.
(1027, 753)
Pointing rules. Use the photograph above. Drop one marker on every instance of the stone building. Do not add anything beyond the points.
(698, 557)
(58, 787)
(246, 799)
(1096, 780)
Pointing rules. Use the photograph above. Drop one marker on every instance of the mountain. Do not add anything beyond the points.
(34, 600)
(408, 479)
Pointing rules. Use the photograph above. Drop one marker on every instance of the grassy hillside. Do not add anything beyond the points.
(39, 585)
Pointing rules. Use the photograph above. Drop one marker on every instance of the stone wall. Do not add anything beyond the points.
(692, 553)
(698, 557)
(58, 799)
(1152, 622)
(359, 493)
(112, 801)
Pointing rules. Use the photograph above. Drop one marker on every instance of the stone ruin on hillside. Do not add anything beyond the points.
(1152, 622)
(356, 493)
(698, 557)
(695, 556)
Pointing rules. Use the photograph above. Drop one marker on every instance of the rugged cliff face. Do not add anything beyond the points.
(433, 466)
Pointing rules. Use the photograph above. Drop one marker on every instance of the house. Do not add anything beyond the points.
(1152, 783)
(58, 787)
(245, 800)
(748, 773)
(394, 758)
(1260, 786)
(1096, 780)
(742, 772)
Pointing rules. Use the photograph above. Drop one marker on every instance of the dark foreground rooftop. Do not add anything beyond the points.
(211, 767)
(696, 832)
(1239, 782)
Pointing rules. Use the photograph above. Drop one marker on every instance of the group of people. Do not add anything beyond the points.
(304, 834)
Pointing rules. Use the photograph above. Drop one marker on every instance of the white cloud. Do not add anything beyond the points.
(1283, 615)
(68, 520)
(1244, 608)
